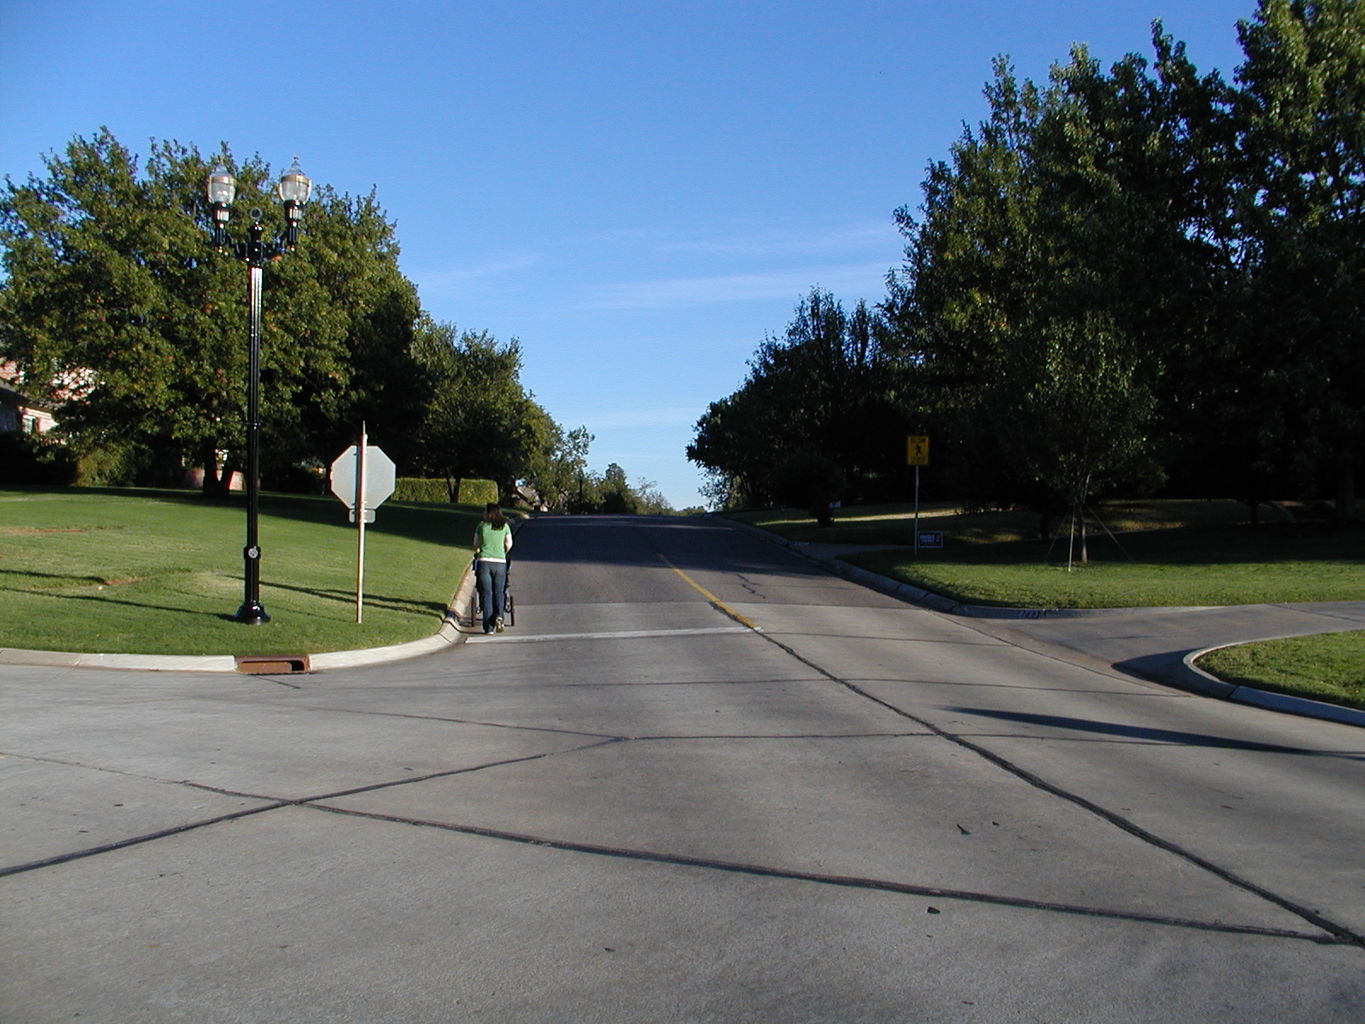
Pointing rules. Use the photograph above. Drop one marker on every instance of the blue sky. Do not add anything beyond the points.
(638, 191)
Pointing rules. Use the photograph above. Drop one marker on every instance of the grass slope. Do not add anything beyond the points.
(161, 572)
(1330, 667)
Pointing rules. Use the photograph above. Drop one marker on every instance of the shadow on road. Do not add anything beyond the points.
(1150, 735)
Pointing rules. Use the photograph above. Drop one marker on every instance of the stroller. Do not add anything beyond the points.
(509, 605)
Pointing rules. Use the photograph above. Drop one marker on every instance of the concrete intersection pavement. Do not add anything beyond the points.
(1160, 644)
(701, 780)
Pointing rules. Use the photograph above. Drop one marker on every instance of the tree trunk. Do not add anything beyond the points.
(216, 482)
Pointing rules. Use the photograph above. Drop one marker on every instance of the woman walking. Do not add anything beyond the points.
(492, 541)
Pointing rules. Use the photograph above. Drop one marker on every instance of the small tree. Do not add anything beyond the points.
(559, 473)
(480, 422)
(617, 496)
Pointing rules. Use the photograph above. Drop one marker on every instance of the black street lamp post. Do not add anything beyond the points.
(293, 190)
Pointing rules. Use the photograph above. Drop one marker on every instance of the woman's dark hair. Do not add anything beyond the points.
(494, 514)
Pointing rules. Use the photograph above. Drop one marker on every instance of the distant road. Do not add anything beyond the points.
(699, 780)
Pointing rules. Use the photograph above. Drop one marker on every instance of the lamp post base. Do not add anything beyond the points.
(252, 614)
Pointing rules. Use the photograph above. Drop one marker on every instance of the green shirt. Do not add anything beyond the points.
(492, 543)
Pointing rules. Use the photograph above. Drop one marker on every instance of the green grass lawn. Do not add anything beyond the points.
(160, 572)
(1329, 667)
(1157, 568)
(1163, 553)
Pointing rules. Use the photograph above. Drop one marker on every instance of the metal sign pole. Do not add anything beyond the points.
(917, 454)
(917, 511)
(360, 526)
(362, 479)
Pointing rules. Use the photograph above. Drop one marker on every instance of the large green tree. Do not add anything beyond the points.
(112, 297)
(347, 288)
(826, 388)
(1120, 275)
(1045, 281)
(1204, 240)
(559, 474)
(480, 422)
(1300, 114)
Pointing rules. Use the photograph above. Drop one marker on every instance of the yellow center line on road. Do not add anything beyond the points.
(716, 602)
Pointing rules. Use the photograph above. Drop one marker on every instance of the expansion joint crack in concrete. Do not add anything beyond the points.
(374, 787)
(512, 727)
(65, 763)
(147, 837)
(845, 881)
(274, 803)
(694, 737)
(1340, 933)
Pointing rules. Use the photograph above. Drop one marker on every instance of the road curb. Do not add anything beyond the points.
(1205, 682)
(451, 633)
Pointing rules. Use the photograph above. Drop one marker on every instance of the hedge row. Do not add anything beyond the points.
(472, 492)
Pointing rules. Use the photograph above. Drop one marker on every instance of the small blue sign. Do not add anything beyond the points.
(931, 538)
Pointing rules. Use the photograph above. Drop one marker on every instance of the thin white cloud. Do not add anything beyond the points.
(632, 419)
(865, 235)
(455, 277)
(848, 282)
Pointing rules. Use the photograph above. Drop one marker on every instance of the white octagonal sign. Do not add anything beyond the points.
(380, 476)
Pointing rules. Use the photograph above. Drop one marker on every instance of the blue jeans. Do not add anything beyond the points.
(492, 578)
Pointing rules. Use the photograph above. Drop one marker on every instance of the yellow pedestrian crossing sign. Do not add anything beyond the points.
(916, 450)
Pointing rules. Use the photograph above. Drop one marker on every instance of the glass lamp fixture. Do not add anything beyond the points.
(222, 186)
(294, 186)
(294, 189)
(222, 190)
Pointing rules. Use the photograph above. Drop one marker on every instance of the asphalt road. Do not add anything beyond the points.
(700, 780)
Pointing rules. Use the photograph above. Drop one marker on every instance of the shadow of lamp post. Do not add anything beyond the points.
(293, 189)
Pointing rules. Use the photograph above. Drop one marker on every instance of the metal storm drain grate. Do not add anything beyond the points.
(272, 664)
